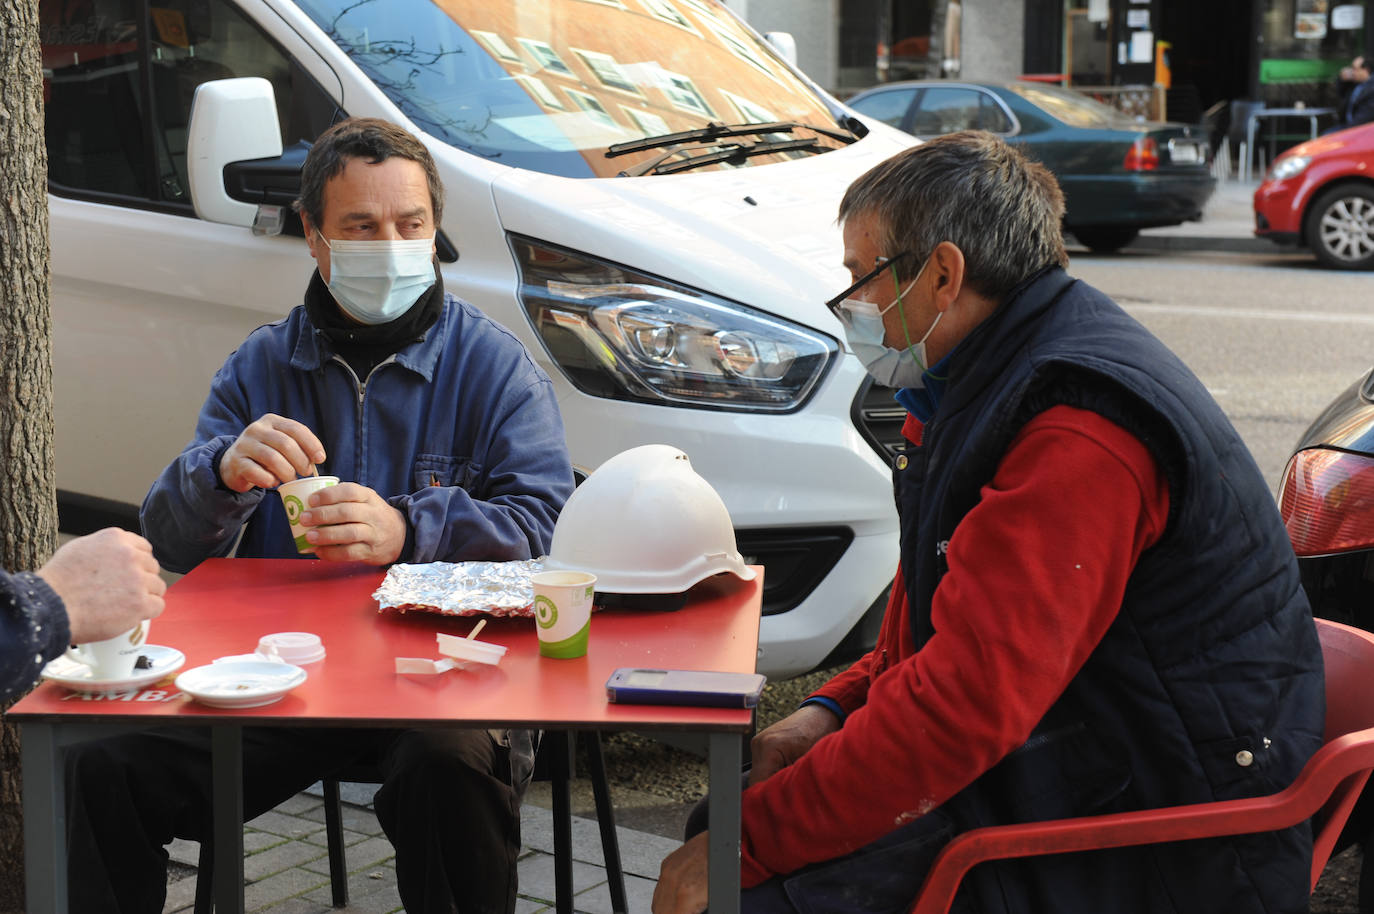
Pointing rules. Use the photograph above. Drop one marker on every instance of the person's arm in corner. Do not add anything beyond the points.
(93, 587)
(526, 477)
(33, 630)
(1067, 533)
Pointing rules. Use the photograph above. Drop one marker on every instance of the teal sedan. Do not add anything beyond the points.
(1119, 174)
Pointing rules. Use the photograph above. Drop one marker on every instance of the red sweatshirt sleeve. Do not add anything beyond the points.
(1037, 571)
(850, 689)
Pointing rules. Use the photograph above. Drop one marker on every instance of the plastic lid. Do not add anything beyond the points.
(292, 647)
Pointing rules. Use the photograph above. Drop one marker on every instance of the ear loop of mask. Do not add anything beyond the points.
(901, 315)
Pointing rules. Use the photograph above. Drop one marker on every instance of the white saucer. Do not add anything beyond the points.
(77, 676)
(240, 683)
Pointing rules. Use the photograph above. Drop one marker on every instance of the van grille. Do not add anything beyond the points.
(879, 418)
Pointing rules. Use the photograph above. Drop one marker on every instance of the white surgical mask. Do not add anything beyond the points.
(863, 330)
(377, 281)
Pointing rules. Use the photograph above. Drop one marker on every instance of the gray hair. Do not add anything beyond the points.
(1000, 208)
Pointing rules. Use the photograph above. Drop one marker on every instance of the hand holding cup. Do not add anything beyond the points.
(108, 582)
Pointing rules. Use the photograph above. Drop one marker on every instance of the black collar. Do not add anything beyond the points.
(364, 346)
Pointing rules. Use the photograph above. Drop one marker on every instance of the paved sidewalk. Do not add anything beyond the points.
(286, 869)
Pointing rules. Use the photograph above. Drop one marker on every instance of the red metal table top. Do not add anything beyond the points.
(224, 605)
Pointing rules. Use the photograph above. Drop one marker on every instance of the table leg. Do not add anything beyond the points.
(560, 761)
(45, 820)
(226, 747)
(726, 759)
(1249, 147)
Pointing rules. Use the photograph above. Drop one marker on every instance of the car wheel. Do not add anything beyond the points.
(1104, 239)
(1340, 227)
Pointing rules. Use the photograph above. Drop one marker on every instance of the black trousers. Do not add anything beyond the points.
(882, 877)
(447, 803)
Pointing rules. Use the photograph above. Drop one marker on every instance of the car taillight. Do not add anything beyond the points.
(1327, 502)
(1143, 156)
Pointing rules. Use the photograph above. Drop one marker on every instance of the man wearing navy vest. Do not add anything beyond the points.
(1096, 607)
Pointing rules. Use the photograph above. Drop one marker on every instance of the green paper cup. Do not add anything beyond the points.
(295, 498)
(563, 611)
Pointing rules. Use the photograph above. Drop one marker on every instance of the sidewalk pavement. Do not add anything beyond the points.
(1227, 224)
(286, 867)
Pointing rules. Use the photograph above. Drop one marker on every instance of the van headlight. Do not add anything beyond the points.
(625, 335)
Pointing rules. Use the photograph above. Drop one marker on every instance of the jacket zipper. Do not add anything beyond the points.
(361, 387)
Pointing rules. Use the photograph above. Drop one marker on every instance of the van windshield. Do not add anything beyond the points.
(551, 85)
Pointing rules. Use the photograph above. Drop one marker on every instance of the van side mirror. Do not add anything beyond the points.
(784, 44)
(231, 120)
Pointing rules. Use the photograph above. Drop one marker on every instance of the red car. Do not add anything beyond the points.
(1321, 194)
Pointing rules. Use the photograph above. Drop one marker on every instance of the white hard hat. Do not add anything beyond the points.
(645, 522)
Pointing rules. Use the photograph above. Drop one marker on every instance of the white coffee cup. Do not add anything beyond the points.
(563, 611)
(113, 658)
(295, 498)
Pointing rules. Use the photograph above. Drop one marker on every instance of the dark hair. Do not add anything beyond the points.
(974, 190)
(373, 140)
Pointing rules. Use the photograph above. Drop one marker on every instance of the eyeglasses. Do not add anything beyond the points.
(885, 262)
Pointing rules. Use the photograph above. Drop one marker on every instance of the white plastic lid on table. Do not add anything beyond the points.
(293, 647)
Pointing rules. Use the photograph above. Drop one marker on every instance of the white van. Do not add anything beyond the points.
(641, 190)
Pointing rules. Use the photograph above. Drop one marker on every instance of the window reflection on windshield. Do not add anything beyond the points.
(549, 85)
(1073, 108)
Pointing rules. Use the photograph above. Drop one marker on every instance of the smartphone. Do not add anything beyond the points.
(685, 687)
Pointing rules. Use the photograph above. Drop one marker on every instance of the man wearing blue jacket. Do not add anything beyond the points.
(449, 446)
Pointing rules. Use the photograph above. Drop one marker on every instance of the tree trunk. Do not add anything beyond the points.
(28, 499)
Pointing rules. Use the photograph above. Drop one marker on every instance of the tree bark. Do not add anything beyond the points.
(28, 495)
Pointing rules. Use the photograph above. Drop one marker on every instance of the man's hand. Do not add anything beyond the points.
(788, 740)
(272, 450)
(352, 523)
(682, 879)
(108, 581)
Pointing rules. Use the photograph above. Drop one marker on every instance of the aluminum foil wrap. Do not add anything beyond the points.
(460, 588)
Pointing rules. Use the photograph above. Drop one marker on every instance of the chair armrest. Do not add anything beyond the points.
(1340, 758)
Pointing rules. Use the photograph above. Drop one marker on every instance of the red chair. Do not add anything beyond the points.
(1325, 790)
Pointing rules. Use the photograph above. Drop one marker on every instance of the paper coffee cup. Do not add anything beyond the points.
(563, 611)
(113, 658)
(295, 498)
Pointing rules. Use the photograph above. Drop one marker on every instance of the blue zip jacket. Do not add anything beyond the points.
(459, 430)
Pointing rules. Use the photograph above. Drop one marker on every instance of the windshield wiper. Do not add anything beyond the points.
(714, 131)
(728, 152)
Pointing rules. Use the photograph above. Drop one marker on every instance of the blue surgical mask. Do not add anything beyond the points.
(863, 330)
(377, 281)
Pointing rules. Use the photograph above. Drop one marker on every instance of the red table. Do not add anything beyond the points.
(224, 605)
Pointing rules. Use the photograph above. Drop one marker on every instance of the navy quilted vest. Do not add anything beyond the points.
(1207, 686)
